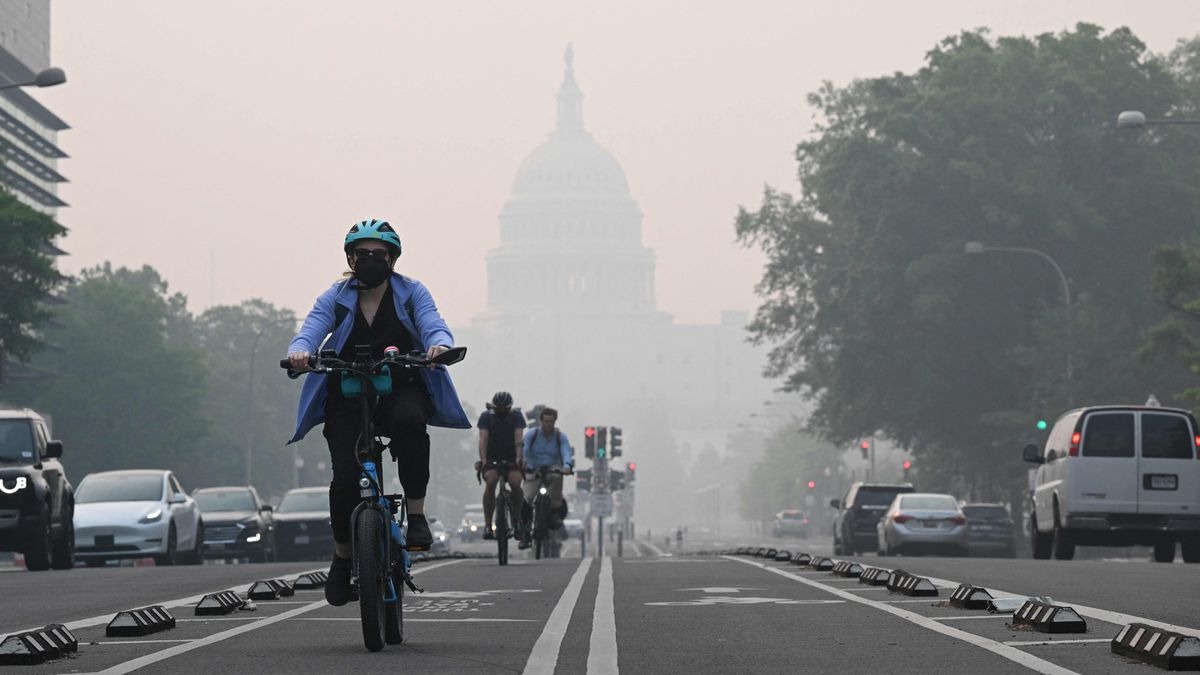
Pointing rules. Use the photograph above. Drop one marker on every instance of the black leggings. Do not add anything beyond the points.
(400, 416)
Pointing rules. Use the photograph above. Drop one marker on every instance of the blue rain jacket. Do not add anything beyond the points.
(413, 303)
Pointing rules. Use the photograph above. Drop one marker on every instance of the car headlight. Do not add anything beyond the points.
(474, 527)
(254, 538)
(151, 517)
(441, 537)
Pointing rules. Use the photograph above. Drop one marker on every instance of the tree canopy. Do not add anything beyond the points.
(873, 307)
(28, 275)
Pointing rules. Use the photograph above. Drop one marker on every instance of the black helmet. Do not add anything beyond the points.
(502, 399)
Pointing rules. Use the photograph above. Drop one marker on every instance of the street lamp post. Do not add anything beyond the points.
(250, 403)
(46, 78)
(976, 247)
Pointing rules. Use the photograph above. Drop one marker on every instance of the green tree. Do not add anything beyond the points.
(28, 276)
(873, 307)
(123, 394)
(779, 479)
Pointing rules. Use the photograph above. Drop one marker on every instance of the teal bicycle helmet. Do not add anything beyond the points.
(373, 228)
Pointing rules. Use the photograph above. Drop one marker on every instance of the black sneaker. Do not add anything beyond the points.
(523, 544)
(337, 587)
(420, 538)
(488, 534)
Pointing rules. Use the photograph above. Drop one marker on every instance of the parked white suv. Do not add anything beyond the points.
(1118, 476)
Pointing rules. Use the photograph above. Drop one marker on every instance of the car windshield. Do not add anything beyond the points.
(928, 502)
(985, 512)
(120, 488)
(473, 517)
(792, 515)
(16, 442)
(875, 497)
(295, 502)
(225, 500)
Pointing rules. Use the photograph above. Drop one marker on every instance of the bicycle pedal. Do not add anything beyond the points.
(412, 585)
(417, 549)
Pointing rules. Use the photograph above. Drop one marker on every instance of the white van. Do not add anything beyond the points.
(1118, 476)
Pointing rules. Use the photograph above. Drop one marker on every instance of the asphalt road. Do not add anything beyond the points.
(652, 610)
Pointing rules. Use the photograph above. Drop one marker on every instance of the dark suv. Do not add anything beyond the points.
(237, 524)
(37, 503)
(858, 514)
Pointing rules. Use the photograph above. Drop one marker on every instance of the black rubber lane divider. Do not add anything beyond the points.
(821, 564)
(225, 602)
(848, 569)
(139, 622)
(801, 559)
(770, 553)
(271, 589)
(900, 581)
(1046, 618)
(783, 556)
(37, 646)
(1158, 647)
(874, 576)
(311, 581)
(967, 596)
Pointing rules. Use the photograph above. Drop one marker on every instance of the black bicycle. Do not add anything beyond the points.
(504, 520)
(381, 565)
(542, 535)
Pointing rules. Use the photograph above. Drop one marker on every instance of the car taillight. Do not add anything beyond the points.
(1074, 450)
(958, 520)
(1197, 447)
(804, 522)
(901, 518)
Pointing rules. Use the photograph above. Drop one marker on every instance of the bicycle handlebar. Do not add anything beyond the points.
(417, 359)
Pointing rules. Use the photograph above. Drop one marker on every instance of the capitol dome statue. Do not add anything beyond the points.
(571, 233)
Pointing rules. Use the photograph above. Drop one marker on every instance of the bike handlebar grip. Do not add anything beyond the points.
(284, 363)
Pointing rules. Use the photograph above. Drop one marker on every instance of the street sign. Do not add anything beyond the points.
(602, 504)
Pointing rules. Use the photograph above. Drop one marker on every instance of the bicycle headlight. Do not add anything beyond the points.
(364, 482)
(541, 491)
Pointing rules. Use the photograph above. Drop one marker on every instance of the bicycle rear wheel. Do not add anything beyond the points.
(502, 528)
(369, 540)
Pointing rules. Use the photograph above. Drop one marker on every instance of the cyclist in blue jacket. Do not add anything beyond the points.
(373, 309)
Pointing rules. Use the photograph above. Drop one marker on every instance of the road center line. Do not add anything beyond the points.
(544, 656)
(1000, 649)
(149, 659)
(602, 651)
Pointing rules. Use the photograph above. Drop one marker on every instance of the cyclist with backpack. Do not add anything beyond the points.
(501, 443)
(545, 448)
(359, 317)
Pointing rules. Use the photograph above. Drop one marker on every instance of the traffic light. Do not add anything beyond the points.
(1041, 425)
(589, 442)
(907, 466)
(865, 446)
(630, 472)
(614, 442)
(601, 442)
(583, 480)
(616, 480)
(812, 484)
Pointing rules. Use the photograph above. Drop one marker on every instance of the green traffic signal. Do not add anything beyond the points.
(1041, 425)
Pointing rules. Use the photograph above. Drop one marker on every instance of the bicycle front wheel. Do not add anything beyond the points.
(369, 540)
(502, 529)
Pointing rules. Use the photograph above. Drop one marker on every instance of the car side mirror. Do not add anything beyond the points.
(1031, 454)
(834, 503)
(178, 498)
(267, 508)
(54, 449)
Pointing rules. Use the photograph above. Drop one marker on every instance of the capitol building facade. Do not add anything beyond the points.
(571, 320)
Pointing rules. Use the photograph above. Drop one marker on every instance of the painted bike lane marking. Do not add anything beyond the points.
(544, 655)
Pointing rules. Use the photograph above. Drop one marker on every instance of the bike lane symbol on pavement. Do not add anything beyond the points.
(459, 601)
(722, 595)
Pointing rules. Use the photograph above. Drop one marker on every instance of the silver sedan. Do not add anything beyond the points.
(923, 522)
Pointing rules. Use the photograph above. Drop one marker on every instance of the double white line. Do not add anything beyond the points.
(602, 648)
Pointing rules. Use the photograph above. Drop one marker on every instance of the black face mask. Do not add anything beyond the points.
(371, 272)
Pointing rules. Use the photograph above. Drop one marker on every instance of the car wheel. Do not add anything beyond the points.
(196, 555)
(63, 556)
(1041, 543)
(171, 556)
(1164, 551)
(837, 548)
(1191, 550)
(1064, 547)
(37, 554)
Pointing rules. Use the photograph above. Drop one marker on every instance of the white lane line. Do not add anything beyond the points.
(134, 642)
(221, 618)
(408, 620)
(968, 618)
(1011, 653)
(1039, 643)
(863, 589)
(167, 604)
(602, 650)
(544, 656)
(149, 659)
(655, 550)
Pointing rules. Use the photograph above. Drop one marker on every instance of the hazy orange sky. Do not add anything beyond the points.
(231, 143)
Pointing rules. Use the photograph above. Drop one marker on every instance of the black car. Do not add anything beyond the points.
(237, 524)
(302, 529)
(990, 530)
(37, 502)
(858, 514)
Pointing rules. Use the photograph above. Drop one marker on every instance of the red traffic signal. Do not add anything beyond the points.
(632, 466)
(589, 431)
(812, 484)
(907, 464)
